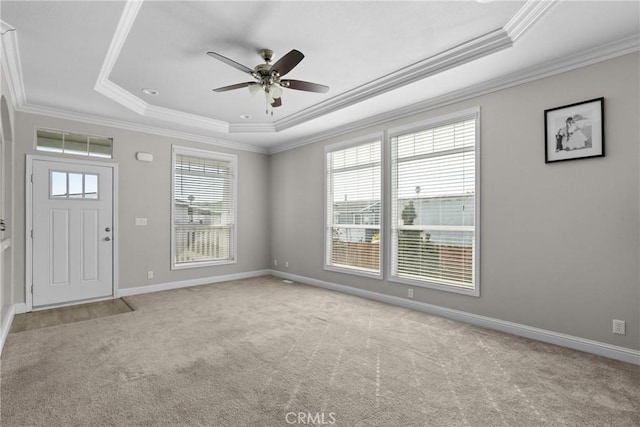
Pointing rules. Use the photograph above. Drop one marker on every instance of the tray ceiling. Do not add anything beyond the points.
(91, 60)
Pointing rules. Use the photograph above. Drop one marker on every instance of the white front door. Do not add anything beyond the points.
(72, 211)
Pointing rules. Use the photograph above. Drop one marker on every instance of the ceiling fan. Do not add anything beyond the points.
(268, 77)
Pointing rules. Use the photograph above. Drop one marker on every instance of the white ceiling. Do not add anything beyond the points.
(89, 60)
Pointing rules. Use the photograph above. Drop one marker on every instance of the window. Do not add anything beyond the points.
(71, 143)
(433, 204)
(353, 208)
(204, 208)
(73, 185)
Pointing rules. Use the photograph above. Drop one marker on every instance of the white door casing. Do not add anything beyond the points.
(72, 223)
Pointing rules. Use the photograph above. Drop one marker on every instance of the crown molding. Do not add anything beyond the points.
(251, 127)
(121, 96)
(473, 49)
(125, 98)
(526, 17)
(136, 127)
(194, 120)
(103, 85)
(578, 60)
(478, 47)
(10, 58)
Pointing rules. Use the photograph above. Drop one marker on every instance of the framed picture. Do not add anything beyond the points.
(574, 131)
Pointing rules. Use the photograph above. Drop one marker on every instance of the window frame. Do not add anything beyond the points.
(471, 113)
(88, 137)
(363, 140)
(233, 159)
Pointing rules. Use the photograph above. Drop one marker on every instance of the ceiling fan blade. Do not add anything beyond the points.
(287, 62)
(235, 86)
(276, 103)
(231, 62)
(306, 86)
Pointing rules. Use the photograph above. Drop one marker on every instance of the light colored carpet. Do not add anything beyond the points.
(258, 352)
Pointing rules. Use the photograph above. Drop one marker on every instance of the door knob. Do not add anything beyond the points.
(107, 238)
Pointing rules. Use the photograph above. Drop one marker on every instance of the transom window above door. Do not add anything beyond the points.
(55, 141)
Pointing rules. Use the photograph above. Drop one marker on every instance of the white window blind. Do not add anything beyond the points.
(204, 214)
(354, 208)
(433, 195)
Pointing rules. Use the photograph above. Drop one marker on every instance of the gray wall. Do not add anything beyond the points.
(559, 242)
(144, 190)
(559, 245)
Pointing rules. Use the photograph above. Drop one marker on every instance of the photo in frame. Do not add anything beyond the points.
(574, 131)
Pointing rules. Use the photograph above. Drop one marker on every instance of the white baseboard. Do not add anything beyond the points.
(5, 325)
(595, 347)
(20, 308)
(187, 283)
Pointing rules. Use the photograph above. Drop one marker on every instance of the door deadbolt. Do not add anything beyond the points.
(107, 229)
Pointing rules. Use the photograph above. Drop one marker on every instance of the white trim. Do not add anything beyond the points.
(470, 50)
(5, 326)
(138, 290)
(10, 57)
(28, 260)
(594, 347)
(233, 159)
(472, 113)
(121, 124)
(445, 119)
(188, 119)
(450, 58)
(353, 271)
(72, 303)
(103, 85)
(515, 28)
(548, 69)
(362, 140)
(526, 17)
(20, 308)
(352, 142)
(125, 98)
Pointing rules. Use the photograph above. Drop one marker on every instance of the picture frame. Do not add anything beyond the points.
(574, 131)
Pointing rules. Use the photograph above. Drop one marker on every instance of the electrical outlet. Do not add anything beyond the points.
(286, 264)
(275, 262)
(619, 327)
(149, 274)
(410, 293)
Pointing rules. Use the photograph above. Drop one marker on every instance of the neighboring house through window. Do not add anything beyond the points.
(353, 207)
(433, 203)
(204, 208)
(431, 170)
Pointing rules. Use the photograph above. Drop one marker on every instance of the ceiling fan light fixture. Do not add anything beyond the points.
(276, 90)
(255, 88)
(149, 91)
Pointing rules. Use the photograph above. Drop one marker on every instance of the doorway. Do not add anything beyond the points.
(70, 218)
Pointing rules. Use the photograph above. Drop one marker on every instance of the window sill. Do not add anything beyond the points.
(354, 272)
(475, 292)
(186, 265)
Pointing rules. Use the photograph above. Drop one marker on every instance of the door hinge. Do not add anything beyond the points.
(32, 233)
(32, 289)
(32, 178)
